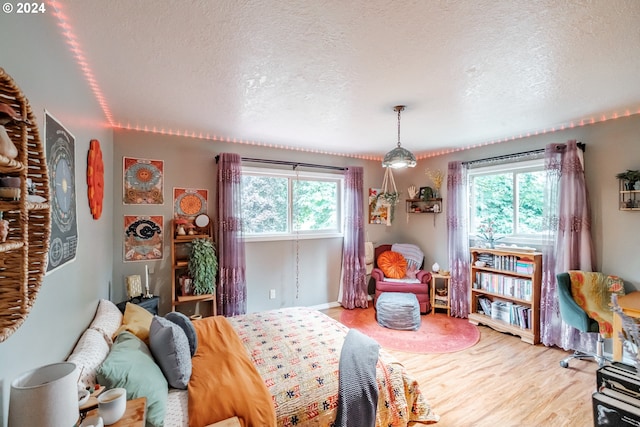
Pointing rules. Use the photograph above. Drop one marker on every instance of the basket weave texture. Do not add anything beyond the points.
(23, 256)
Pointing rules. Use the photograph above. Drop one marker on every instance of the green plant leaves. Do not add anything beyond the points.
(203, 266)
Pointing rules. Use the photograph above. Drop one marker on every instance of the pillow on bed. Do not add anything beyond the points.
(185, 323)
(392, 264)
(88, 354)
(170, 348)
(107, 320)
(136, 320)
(130, 365)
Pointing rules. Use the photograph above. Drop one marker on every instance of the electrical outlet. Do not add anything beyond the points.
(272, 294)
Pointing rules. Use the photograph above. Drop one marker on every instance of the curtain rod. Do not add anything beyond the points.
(286, 163)
(581, 145)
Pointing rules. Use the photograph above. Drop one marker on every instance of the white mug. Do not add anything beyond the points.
(112, 405)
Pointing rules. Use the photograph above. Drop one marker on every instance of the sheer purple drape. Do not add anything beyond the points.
(232, 286)
(568, 245)
(458, 236)
(353, 282)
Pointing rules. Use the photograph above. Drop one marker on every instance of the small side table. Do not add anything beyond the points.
(134, 416)
(149, 304)
(437, 300)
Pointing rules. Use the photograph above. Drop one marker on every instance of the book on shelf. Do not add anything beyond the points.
(497, 283)
(612, 408)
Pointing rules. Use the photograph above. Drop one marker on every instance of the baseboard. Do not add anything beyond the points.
(333, 304)
(326, 305)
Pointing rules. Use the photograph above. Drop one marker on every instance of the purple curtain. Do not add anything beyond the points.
(353, 282)
(568, 244)
(457, 224)
(232, 286)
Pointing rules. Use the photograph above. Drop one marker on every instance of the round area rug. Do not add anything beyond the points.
(438, 333)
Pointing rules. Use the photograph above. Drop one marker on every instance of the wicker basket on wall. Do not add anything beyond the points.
(23, 256)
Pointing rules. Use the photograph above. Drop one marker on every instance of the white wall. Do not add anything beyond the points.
(190, 163)
(33, 53)
(612, 147)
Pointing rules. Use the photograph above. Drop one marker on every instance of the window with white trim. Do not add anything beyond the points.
(281, 204)
(511, 197)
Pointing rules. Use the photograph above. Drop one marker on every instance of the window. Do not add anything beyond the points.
(512, 197)
(279, 204)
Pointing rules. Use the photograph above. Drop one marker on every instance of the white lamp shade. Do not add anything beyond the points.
(45, 397)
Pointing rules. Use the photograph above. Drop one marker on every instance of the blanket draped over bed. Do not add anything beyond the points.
(224, 383)
(358, 389)
(297, 353)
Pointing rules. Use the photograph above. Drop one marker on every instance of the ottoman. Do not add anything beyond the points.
(398, 310)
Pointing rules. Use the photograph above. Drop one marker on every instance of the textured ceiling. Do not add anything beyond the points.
(325, 74)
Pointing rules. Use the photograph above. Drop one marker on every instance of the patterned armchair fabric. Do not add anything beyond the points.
(419, 286)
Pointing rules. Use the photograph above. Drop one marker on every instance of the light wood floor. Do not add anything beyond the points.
(501, 382)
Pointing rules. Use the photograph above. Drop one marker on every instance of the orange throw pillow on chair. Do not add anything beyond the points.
(392, 264)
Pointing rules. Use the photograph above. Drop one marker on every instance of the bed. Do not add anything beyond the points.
(295, 352)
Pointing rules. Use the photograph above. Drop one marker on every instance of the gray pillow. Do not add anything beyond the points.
(185, 323)
(170, 348)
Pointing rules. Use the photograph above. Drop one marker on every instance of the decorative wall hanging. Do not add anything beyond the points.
(143, 181)
(189, 202)
(95, 178)
(143, 237)
(60, 149)
(24, 253)
(379, 213)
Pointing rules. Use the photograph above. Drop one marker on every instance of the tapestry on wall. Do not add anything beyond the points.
(143, 181)
(379, 213)
(60, 152)
(142, 237)
(189, 202)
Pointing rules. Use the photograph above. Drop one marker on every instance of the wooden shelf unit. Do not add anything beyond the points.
(418, 206)
(500, 280)
(179, 267)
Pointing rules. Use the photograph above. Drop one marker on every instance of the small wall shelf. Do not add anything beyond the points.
(628, 199)
(424, 206)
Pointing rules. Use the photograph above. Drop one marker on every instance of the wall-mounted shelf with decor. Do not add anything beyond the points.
(629, 195)
(180, 249)
(25, 208)
(422, 206)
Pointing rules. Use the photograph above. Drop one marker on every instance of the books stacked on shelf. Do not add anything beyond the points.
(441, 300)
(506, 262)
(617, 400)
(505, 311)
(516, 287)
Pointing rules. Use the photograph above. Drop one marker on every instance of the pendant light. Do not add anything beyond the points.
(399, 157)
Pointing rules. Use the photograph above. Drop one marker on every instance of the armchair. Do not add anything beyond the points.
(583, 299)
(420, 286)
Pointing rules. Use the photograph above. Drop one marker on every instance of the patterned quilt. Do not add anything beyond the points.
(297, 353)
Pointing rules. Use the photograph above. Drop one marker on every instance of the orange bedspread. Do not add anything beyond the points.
(224, 383)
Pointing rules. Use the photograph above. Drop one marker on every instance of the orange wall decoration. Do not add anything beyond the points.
(95, 178)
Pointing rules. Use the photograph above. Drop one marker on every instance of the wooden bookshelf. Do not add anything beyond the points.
(180, 247)
(510, 281)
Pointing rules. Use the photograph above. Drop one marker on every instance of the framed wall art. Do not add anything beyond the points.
(143, 181)
(189, 202)
(143, 237)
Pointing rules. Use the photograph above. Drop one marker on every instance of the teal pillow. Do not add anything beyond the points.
(130, 365)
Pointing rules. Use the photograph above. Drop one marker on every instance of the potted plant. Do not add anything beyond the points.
(203, 266)
(632, 176)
